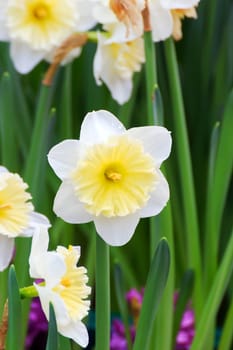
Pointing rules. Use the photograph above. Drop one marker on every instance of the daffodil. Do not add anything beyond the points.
(111, 175)
(115, 64)
(35, 28)
(121, 18)
(166, 15)
(17, 216)
(64, 286)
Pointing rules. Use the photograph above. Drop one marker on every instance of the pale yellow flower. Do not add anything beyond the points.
(111, 175)
(35, 28)
(17, 216)
(115, 63)
(64, 286)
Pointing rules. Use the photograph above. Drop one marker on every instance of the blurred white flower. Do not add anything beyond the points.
(115, 64)
(166, 15)
(17, 217)
(121, 18)
(111, 175)
(64, 286)
(35, 28)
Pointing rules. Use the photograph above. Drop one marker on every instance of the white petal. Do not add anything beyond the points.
(63, 157)
(46, 296)
(158, 200)
(3, 170)
(116, 231)
(24, 58)
(40, 242)
(6, 251)
(68, 207)
(43, 264)
(161, 21)
(76, 331)
(156, 141)
(86, 20)
(36, 220)
(4, 34)
(52, 268)
(178, 4)
(98, 126)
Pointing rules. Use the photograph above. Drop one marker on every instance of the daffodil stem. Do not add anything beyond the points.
(102, 340)
(151, 83)
(151, 77)
(162, 225)
(180, 138)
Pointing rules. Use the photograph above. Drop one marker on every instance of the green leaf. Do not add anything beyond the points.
(226, 339)
(218, 191)
(64, 343)
(7, 129)
(154, 288)
(214, 298)
(14, 336)
(52, 341)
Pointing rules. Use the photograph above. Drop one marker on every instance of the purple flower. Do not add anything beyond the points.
(118, 340)
(37, 326)
(134, 298)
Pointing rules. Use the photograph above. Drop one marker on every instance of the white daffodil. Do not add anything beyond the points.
(64, 286)
(122, 18)
(166, 15)
(35, 28)
(111, 175)
(17, 217)
(115, 64)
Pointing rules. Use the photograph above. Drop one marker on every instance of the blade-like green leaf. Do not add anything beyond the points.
(155, 285)
(64, 343)
(214, 298)
(52, 341)
(218, 191)
(14, 336)
(226, 340)
(7, 126)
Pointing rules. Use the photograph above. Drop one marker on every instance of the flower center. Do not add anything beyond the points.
(115, 178)
(40, 12)
(14, 205)
(65, 282)
(112, 175)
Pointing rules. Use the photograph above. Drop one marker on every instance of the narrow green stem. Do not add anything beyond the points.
(151, 76)
(102, 340)
(180, 137)
(66, 107)
(162, 225)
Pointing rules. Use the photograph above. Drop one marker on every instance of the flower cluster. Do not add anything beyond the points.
(53, 30)
(110, 176)
(134, 298)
